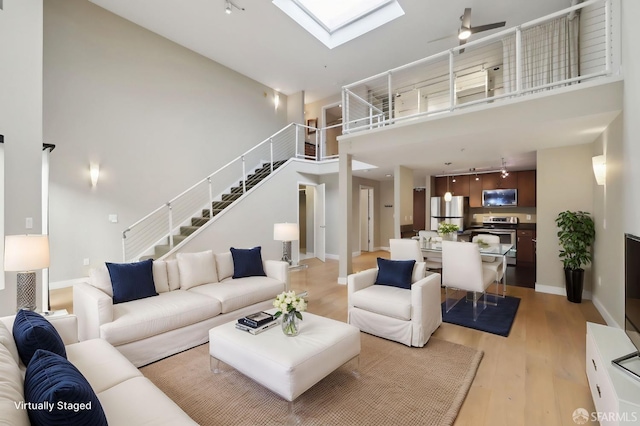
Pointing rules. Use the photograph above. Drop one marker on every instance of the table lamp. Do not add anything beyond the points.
(24, 254)
(286, 232)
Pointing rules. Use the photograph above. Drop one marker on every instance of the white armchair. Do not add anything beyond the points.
(408, 316)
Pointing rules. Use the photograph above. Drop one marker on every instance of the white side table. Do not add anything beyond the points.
(51, 314)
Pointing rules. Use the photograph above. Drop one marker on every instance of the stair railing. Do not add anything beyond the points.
(161, 225)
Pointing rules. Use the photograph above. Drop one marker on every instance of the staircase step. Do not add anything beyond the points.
(161, 250)
(177, 239)
(198, 221)
(188, 230)
(205, 212)
(221, 205)
(238, 189)
(230, 197)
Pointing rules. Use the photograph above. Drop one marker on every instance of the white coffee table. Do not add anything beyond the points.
(286, 365)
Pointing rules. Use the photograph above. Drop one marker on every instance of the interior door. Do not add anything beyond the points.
(319, 223)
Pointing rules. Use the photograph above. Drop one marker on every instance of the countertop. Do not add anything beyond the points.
(521, 226)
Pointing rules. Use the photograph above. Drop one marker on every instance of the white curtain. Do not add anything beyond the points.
(550, 53)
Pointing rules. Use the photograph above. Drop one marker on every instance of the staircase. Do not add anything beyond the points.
(217, 207)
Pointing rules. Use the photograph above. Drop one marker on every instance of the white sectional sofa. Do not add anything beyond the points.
(192, 298)
(126, 396)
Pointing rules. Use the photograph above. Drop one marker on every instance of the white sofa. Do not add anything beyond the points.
(126, 396)
(182, 314)
(401, 315)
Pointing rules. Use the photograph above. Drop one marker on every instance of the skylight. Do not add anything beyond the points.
(335, 22)
(334, 14)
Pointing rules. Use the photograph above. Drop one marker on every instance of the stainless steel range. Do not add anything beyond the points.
(505, 227)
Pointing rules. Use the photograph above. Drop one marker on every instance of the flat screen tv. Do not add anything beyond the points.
(631, 300)
(499, 197)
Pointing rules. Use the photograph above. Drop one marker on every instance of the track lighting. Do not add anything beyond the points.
(464, 33)
(229, 5)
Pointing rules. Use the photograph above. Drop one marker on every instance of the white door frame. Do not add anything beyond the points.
(316, 253)
(370, 218)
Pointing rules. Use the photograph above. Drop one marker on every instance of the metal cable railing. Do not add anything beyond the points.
(568, 47)
(201, 202)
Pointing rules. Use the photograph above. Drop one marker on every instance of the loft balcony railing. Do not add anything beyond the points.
(161, 225)
(569, 47)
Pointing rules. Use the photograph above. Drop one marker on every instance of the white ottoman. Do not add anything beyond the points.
(286, 365)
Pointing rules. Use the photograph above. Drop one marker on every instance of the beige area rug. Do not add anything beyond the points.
(396, 385)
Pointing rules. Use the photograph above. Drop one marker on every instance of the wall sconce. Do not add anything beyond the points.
(276, 100)
(94, 172)
(599, 168)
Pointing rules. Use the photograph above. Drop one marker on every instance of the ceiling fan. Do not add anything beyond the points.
(466, 30)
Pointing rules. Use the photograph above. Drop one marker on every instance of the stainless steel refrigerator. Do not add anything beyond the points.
(454, 211)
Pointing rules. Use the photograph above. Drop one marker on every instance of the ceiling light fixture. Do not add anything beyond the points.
(504, 171)
(229, 5)
(464, 33)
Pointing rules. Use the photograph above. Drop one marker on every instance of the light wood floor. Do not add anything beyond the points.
(536, 376)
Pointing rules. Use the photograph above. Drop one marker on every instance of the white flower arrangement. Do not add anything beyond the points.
(287, 302)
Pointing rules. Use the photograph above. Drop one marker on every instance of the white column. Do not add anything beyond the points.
(345, 192)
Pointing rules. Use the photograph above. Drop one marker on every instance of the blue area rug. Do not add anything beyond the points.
(495, 319)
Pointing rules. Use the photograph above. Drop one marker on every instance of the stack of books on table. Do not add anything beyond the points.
(256, 323)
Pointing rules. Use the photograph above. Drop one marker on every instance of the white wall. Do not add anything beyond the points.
(564, 182)
(156, 117)
(608, 250)
(631, 125)
(386, 213)
(403, 198)
(21, 124)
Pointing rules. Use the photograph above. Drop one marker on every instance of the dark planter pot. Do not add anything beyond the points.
(574, 280)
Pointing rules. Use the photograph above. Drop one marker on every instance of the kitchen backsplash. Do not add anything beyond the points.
(524, 214)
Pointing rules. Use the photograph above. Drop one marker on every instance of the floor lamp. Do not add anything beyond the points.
(286, 232)
(24, 254)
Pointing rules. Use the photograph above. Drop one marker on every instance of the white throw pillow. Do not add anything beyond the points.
(196, 269)
(160, 278)
(224, 265)
(100, 279)
(173, 274)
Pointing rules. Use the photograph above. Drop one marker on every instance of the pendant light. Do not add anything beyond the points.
(447, 195)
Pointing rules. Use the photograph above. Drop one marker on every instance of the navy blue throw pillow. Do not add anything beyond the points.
(58, 394)
(247, 263)
(132, 281)
(32, 331)
(395, 273)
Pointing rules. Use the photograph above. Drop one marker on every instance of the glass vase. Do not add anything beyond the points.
(290, 324)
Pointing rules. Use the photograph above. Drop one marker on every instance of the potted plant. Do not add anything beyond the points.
(577, 233)
(448, 230)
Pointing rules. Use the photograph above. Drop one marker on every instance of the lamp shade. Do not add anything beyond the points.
(286, 232)
(599, 169)
(26, 252)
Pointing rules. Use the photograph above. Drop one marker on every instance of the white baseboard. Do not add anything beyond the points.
(385, 248)
(342, 280)
(560, 291)
(605, 314)
(56, 285)
(332, 256)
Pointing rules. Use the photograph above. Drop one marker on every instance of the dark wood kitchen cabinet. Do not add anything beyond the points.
(440, 187)
(527, 188)
(460, 186)
(496, 181)
(525, 249)
(475, 191)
